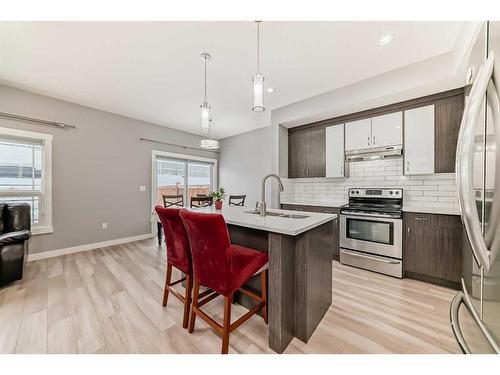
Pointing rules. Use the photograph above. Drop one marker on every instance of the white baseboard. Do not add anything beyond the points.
(86, 247)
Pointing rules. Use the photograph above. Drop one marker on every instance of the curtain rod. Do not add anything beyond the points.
(176, 145)
(33, 120)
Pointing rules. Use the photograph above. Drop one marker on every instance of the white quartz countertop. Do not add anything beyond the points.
(420, 209)
(432, 210)
(276, 224)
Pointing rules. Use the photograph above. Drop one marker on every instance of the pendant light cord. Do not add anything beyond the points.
(205, 79)
(258, 46)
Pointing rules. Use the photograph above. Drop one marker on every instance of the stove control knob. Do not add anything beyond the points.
(397, 192)
(357, 191)
(391, 192)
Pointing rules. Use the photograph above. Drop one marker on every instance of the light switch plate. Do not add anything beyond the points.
(104, 225)
(142, 188)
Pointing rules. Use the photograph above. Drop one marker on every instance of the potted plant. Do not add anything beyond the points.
(218, 196)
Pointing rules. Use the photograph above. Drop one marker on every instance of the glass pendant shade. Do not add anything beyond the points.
(205, 117)
(209, 144)
(258, 93)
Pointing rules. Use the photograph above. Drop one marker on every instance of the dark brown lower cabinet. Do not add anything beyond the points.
(326, 210)
(432, 249)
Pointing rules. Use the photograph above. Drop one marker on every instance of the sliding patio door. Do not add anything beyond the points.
(170, 178)
(199, 179)
(188, 177)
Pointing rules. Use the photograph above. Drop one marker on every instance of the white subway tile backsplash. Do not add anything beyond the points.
(447, 199)
(423, 199)
(394, 168)
(424, 187)
(450, 187)
(439, 182)
(410, 182)
(437, 190)
(438, 193)
(413, 193)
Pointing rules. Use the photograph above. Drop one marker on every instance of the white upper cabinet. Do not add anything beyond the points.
(358, 134)
(419, 141)
(387, 130)
(335, 166)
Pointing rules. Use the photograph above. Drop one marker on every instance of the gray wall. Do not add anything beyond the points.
(244, 160)
(97, 168)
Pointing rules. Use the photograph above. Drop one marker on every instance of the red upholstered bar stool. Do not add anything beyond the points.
(178, 256)
(222, 267)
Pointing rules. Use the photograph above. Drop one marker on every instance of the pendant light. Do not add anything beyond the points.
(208, 143)
(258, 80)
(205, 107)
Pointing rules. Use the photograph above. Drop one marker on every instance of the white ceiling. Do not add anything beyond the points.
(152, 70)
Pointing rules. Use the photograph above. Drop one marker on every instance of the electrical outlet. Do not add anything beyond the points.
(142, 188)
(104, 225)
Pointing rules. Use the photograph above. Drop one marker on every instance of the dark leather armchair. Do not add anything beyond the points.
(15, 226)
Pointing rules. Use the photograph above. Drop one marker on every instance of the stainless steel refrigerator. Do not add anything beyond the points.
(475, 311)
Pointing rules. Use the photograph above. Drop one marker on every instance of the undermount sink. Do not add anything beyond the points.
(294, 216)
(279, 214)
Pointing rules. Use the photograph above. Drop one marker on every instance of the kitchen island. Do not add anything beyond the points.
(300, 253)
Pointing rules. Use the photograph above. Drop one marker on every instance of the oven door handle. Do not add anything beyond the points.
(378, 259)
(369, 216)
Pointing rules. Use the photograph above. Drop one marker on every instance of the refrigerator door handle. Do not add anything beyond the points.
(464, 164)
(491, 236)
(463, 297)
(475, 315)
(455, 324)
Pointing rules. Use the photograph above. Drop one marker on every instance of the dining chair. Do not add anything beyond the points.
(237, 200)
(169, 201)
(197, 202)
(173, 200)
(227, 269)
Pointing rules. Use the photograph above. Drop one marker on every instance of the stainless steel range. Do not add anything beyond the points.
(371, 230)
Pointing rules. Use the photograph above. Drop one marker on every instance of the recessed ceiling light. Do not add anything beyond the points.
(270, 90)
(386, 39)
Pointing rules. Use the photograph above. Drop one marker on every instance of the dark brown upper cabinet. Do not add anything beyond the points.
(297, 154)
(307, 153)
(448, 115)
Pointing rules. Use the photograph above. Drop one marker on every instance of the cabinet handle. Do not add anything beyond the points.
(374, 140)
(421, 219)
(408, 232)
(341, 171)
(368, 141)
(407, 166)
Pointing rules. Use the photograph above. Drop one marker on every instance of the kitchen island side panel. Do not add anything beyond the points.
(300, 279)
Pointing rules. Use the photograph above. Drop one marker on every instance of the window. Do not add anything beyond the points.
(25, 174)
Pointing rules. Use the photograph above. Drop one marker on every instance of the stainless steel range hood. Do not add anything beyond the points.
(375, 153)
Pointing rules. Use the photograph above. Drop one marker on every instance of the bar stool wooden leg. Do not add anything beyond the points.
(167, 284)
(227, 324)
(196, 292)
(263, 280)
(187, 300)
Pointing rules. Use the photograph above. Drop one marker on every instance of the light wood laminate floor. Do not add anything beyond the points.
(109, 301)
